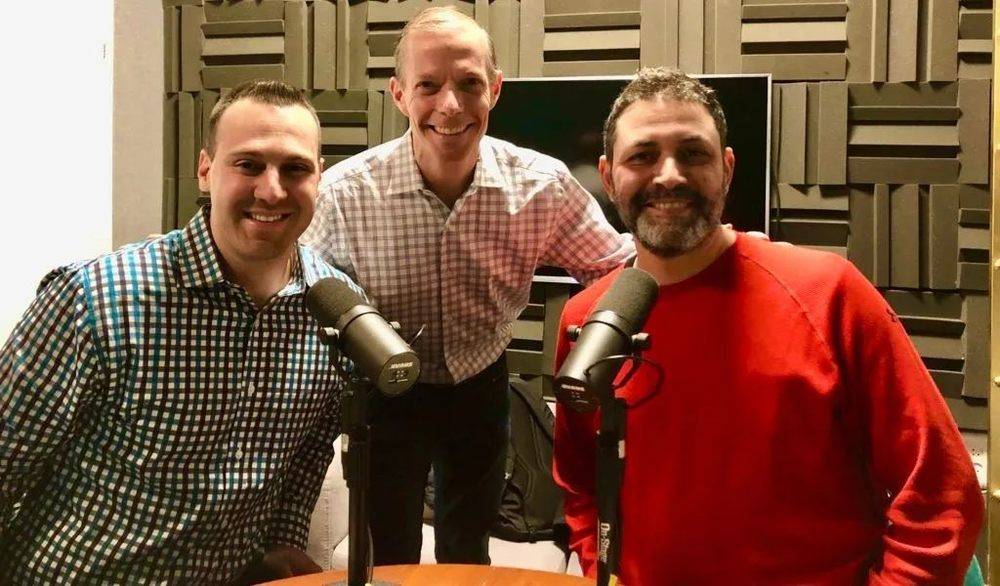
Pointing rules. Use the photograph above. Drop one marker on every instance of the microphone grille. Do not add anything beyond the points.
(631, 296)
(329, 298)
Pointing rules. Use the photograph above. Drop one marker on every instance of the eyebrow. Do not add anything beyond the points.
(258, 154)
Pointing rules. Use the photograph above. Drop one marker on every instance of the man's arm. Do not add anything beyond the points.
(915, 452)
(49, 370)
(302, 481)
(583, 242)
(574, 470)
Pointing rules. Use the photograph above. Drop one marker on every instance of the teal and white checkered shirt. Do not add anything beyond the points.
(156, 426)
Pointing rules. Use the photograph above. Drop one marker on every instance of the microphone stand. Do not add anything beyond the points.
(610, 467)
(357, 468)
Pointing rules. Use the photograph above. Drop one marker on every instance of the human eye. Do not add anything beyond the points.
(473, 84)
(426, 86)
(247, 166)
(298, 169)
(640, 157)
(695, 155)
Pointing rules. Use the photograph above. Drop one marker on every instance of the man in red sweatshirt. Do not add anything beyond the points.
(796, 437)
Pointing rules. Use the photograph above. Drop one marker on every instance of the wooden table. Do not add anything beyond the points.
(448, 575)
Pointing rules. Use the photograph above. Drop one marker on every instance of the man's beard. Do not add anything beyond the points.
(682, 230)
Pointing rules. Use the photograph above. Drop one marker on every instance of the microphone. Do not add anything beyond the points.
(610, 330)
(365, 336)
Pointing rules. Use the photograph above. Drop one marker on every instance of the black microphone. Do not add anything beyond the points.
(585, 375)
(365, 336)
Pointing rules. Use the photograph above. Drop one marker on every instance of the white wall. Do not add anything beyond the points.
(138, 120)
(56, 145)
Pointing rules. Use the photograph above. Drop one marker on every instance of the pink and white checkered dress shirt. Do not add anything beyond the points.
(465, 273)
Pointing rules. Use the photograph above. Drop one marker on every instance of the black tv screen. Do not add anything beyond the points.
(564, 117)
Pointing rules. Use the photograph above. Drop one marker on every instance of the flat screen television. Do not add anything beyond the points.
(564, 117)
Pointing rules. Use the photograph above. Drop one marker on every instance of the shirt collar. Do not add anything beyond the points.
(197, 257)
(201, 267)
(405, 176)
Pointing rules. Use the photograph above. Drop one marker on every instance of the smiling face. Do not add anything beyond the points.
(669, 175)
(262, 180)
(446, 92)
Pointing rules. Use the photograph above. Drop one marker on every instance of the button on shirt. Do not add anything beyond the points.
(157, 426)
(465, 273)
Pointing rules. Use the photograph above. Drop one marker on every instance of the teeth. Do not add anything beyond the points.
(449, 129)
(265, 217)
(668, 203)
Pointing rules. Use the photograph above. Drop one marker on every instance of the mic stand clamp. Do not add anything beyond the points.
(357, 468)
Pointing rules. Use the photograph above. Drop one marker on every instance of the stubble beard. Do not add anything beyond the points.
(683, 231)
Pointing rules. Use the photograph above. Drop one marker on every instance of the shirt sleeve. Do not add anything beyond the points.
(574, 470)
(49, 371)
(917, 458)
(583, 242)
(302, 483)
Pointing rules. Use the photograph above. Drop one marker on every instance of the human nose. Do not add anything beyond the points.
(448, 101)
(269, 187)
(669, 173)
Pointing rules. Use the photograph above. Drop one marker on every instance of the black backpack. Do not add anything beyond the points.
(531, 507)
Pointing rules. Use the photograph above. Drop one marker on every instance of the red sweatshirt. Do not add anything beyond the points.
(797, 437)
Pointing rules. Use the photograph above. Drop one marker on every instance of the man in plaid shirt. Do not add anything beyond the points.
(168, 411)
(444, 228)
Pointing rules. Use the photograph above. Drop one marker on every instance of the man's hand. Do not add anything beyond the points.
(281, 561)
(758, 235)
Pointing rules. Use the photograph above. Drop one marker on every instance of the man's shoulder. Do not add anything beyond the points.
(511, 156)
(357, 166)
(813, 277)
(316, 268)
(133, 262)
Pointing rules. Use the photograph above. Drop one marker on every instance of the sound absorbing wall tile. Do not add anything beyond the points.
(727, 37)
(191, 43)
(941, 42)
(977, 365)
(324, 50)
(902, 53)
(171, 49)
(796, 10)
(867, 40)
(814, 197)
(975, 45)
(659, 33)
(882, 229)
(258, 10)
(975, 196)
(504, 16)
(376, 101)
(792, 143)
(941, 237)
(532, 39)
(861, 240)
(904, 221)
(799, 66)
(352, 32)
(974, 130)
(831, 168)
(297, 53)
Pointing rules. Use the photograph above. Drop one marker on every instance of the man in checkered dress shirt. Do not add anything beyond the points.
(168, 410)
(444, 228)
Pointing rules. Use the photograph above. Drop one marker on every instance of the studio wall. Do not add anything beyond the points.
(880, 143)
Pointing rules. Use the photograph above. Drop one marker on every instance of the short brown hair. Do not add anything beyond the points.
(265, 91)
(436, 18)
(666, 84)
